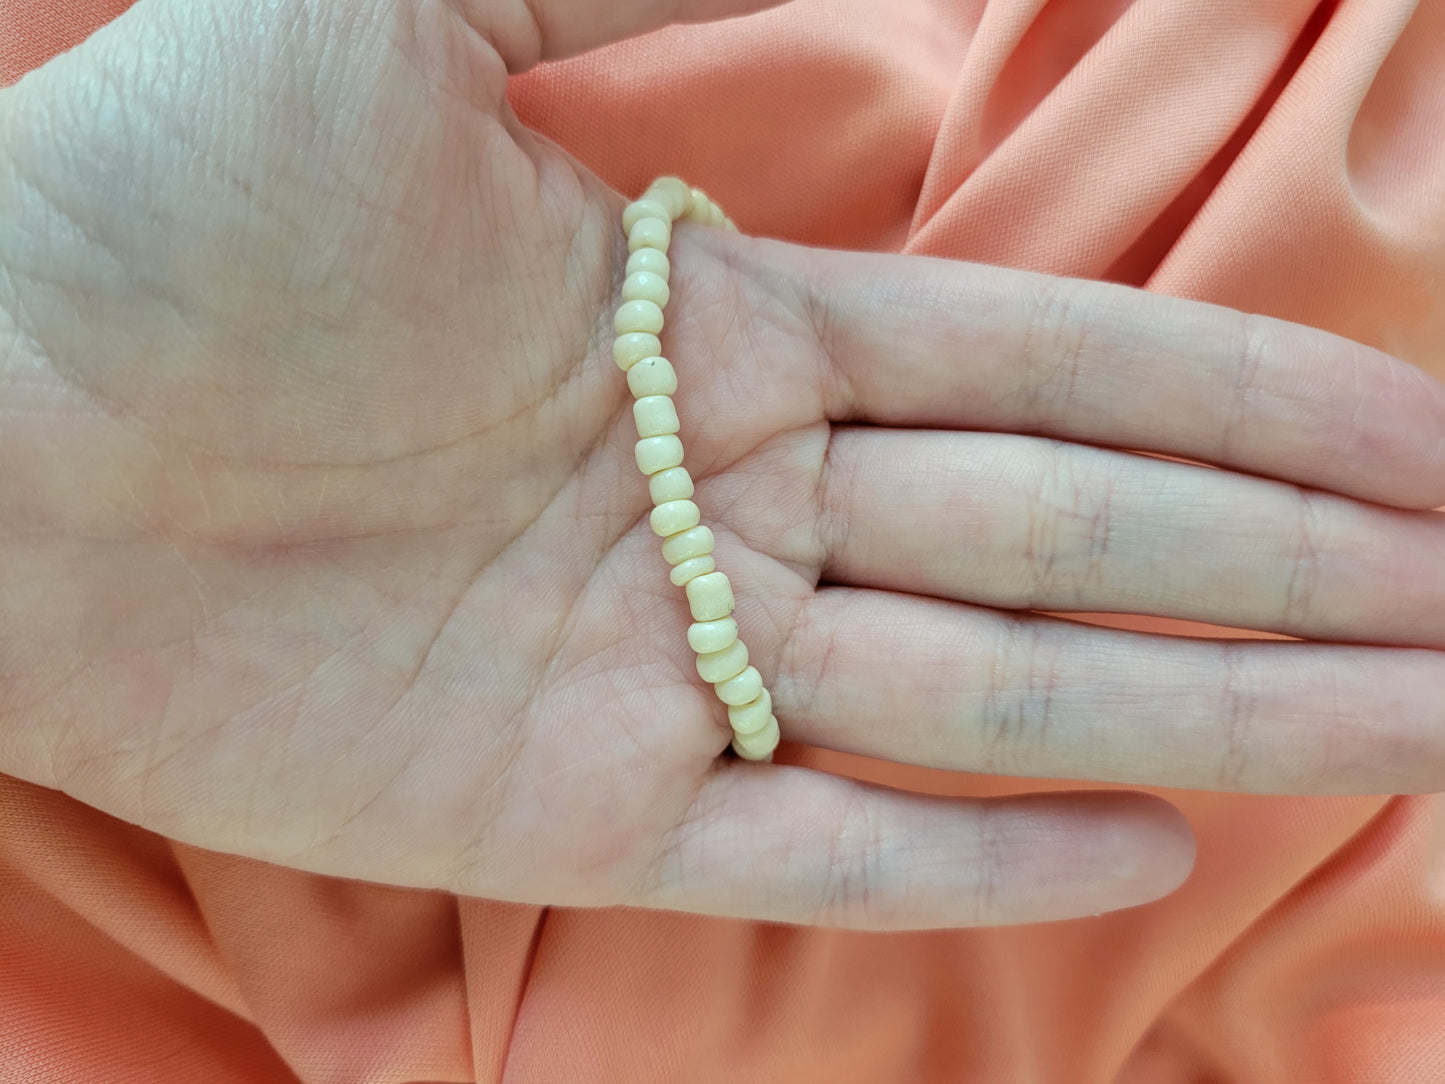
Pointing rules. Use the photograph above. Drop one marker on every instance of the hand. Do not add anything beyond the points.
(323, 542)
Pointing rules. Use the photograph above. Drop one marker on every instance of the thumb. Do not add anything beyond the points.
(525, 32)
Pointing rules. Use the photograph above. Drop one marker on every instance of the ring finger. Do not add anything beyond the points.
(959, 687)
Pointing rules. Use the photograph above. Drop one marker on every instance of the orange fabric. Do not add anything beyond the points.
(1278, 155)
(33, 31)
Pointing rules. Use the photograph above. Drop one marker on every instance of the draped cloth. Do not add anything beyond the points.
(1281, 156)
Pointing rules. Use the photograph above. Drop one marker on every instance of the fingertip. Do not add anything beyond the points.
(1151, 846)
(1108, 851)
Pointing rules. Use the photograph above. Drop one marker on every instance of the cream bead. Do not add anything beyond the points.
(659, 453)
(672, 192)
(655, 416)
(651, 260)
(707, 637)
(697, 542)
(642, 316)
(674, 484)
(717, 666)
(629, 349)
(743, 689)
(701, 205)
(649, 233)
(751, 717)
(645, 286)
(652, 376)
(674, 516)
(646, 207)
(710, 597)
(691, 569)
(759, 745)
(722, 658)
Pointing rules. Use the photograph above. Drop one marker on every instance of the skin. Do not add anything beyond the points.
(321, 540)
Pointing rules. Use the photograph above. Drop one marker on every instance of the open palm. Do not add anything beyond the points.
(324, 542)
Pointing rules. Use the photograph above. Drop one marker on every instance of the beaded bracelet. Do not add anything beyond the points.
(687, 545)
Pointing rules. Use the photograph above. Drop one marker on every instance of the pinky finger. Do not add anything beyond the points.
(786, 844)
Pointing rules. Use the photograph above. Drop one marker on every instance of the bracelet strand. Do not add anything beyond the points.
(687, 545)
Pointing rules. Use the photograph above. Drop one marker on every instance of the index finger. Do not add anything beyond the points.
(922, 342)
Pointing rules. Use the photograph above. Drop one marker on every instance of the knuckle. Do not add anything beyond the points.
(809, 655)
(1055, 348)
(1237, 717)
(1043, 526)
(1345, 406)
(1254, 345)
(1092, 509)
(1302, 588)
(854, 868)
(1069, 526)
(990, 866)
(821, 320)
(834, 500)
(1019, 701)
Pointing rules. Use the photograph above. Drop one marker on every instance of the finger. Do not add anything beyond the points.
(933, 343)
(1025, 523)
(957, 687)
(790, 845)
(525, 32)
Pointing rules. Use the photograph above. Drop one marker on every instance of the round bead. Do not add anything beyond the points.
(674, 484)
(691, 569)
(642, 316)
(645, 286)
(655, 416)
(716, 666)
(743, 689)
(759, 745)
(659, 453)
(652, 376)
(706, 637)
(751, 717)
(687, 545)
(631, 348)
(710, 597)
(651, 260)
(646, 207)
(672, 192)
(700, 209)
(649, 233)
(697, 542)
(674, 516)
